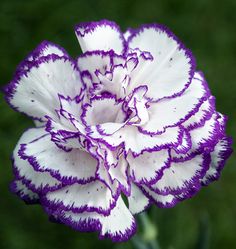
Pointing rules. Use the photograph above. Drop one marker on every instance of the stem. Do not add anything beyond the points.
(148, 239)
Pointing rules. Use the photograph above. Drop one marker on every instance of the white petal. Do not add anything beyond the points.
(66, 133)
(185, 145)
(119, 225)
(206, 134)
(204, 113)
(114, 81)
(36, 180)
(182, 176)
(173, 65)
(36, 91)
(18, 187)
(102, 110)
(43, 49)
(221, 153)
(138, 202)
(119, 173)
(127, 34)
(171, 112)
(94, 196)
(162, 201)
(138, 142)
(148, 166)
(137, 103)
(105, 113)
(92, 61)
(48, 48)
(71, 106)
(104, 35)
(103, 176)
(202, 134)
(68, 167)
(202, 138)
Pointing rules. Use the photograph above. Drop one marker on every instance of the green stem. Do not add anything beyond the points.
(148, 239)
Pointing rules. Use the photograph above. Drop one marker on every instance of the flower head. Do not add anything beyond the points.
(129, 118)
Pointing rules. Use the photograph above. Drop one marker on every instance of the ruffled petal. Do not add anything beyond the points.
(103, 35)
(113, 81)
(173, 112)
(47, 48)
(35, 92)
(204, 113)
(182, 175)
(120, 173)
(138, 202)
(118, 226)
(137, 102)
(137, 142)
(72, 106)
(207, 135)
(43, 49)
(172, 69)
(203, 138)
(91, 62)
(149, 166)
(66, 133)
(104, 114)
(19, 188)
(36, 181)
(221, 153)
(69, 167)
(102, 109)
(162, 201)
(185, 146)
(90, 197)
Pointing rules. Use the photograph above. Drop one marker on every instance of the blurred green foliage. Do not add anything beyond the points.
(206, 26)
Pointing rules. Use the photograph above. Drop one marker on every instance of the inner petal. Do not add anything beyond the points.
(103, 109)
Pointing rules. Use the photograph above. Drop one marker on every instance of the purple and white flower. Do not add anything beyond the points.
(130, 118)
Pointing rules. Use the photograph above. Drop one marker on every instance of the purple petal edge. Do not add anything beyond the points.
(170, 34)
(89, 27)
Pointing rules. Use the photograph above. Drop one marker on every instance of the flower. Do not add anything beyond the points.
(129, 119)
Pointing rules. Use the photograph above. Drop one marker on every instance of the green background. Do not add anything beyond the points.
(207, 27)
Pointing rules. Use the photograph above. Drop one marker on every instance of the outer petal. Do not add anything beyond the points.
(43, 49)
(172, 112)
(138, 202)
(206, 136)
(162, 201)
(149, 166)
(137, 142)
(221, 153)
(103, 35)
(172, 69)
(35, 92)
(47, 48)
(185, 146)
(182, 176)
(204, 113)
(36, 181)
(68, 167)
(90, 197)
(202, 138)
(118, 226)
(19, 188)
